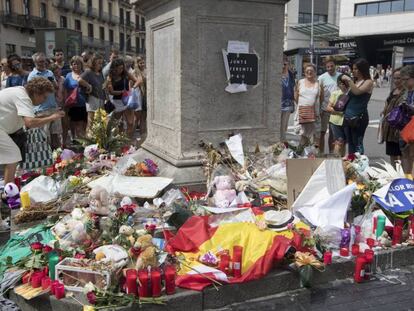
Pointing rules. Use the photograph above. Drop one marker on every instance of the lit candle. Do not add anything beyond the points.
(53, 286)
(344, 252)
(24, 199)
(36, 280)
(327, 258)
(355, 249)
(237, 261)
(131, 282)
(144, 283)
(59, 291)
(156, 282)
(170, 272)
(370, 242)
(224, 263)
(46, 282)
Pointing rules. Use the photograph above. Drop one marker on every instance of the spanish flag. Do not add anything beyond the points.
(262, 249)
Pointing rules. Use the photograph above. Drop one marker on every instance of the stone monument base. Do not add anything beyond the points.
(183, 172)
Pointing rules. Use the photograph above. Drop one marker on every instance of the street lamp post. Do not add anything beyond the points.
(311, 38)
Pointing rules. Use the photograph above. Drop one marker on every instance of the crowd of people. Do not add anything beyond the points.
(338, 102)
(61, 97)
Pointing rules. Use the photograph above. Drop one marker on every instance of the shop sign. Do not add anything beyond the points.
(243, 68)
(322, 51)
(345, 44)
(399, 41)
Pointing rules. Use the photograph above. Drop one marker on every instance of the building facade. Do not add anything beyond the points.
(297, 43)
(378, 26)
(102, 24)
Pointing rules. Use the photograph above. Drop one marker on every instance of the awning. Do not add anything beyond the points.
(324, 31)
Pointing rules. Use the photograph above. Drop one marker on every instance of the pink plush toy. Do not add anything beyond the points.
(225, 194)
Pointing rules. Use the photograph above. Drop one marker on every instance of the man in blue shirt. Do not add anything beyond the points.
(48, 107)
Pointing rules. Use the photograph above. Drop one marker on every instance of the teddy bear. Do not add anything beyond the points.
(125, 237)
(148, 252)
(13, 195)
(225, 194)
(99, 201)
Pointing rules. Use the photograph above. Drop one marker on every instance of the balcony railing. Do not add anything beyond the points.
(25, 21)
(129, 24)
(64, 4)
(94, 43)
(114, 20)
(92, 12)
(79, 8)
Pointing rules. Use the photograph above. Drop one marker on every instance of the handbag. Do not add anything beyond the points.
(109, 107)
(20, 139)
(72, 98)
(407, 133)
(398, 117)
(341, 102)
(134, 100)
(37, 152)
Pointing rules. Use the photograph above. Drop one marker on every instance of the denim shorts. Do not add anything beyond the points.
(338, 132)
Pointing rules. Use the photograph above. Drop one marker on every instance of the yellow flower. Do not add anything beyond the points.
(88, 308)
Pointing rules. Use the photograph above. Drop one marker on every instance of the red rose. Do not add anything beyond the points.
(350, 157)
(80, 256)
(47, 249)
(36, 246)
(150, 228)
(91, 298)
(58, 159)
(135, 251)
(77, 173)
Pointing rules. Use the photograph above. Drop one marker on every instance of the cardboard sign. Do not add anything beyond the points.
(397, 197)
(244, 68)
(299, 171)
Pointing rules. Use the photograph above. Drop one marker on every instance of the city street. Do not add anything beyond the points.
(391, 291)
(376, 105)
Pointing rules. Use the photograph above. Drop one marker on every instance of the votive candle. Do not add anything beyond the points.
(156, 282)
(169, 274)
(24, 199)
(131, 282)
(327, 258)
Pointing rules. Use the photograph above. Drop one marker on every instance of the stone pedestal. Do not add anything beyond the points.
(187, 102)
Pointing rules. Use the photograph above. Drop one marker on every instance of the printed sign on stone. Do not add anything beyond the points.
(243, 68)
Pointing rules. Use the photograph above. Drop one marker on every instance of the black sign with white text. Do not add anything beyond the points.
(243, 68)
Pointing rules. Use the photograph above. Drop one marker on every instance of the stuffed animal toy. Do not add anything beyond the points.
(13, 195)
(99, 201)
(148, 252)
(225, 194)
(125, 237)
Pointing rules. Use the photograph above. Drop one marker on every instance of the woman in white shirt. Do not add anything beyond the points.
(308, 97)
(16, 112)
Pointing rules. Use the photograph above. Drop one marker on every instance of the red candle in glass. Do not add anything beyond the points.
(374, 226)
(397, 232)
(224, 264)
(344, 252)
(131, 282)
(411, 226)
(53, 286)
(46, 282)
(59, 291)
(156, 282)
(143, 289)
(169, 274)
(370, 242)
(359, 272)
(18, 182)
(369, 255)
(36, 280)
(355, 249)
(327, 258)
(237, 261)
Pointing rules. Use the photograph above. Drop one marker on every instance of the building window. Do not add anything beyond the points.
(372, 8)
(100, 8)
(397, 6)
(63, 22)
(306, 18)
(8, 7)
(121, 41)
(26, 6)
(10, 49)
(384, 7)
(137, 45)
(78, 26)
(128, 17)
(110, 8)
(76, 4)
(409, 5)
(121, 16)
(43, 10)
(111, 36)
(143, 45)
(102, 33)
(90, 30)
(128, 43)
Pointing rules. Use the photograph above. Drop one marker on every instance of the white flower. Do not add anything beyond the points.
(77, 214)
(88, 288)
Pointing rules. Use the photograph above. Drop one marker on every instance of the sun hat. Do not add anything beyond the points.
(279, 220)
